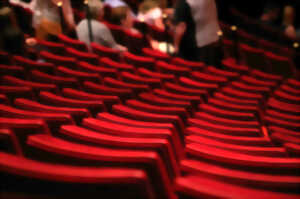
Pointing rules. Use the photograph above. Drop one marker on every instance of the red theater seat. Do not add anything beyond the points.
(104, 51)
(226, 129)
(269, 182)
(192, 187)
(137, 79)
(96, 138)
(165, 67)
(284, 165)
(53, 47)
(59, 81)
(36, 86)
(94, 106)
(251, 150)
(139, 61)
(148, 73)
(17, 71)
(231, 139)
(73, 43)
(82, 76)
(58, 60)
(101, 70)
(122, 93)
(9, 142)
(82, 56)
(106, 182)
(109, 63)
(77, 113)
(115, 83)
(29, 64)
(79, 154)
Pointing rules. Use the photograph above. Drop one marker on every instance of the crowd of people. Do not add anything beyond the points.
(193, 23)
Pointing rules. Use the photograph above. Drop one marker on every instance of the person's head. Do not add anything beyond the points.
(271, 11)
(96, 9)
(288, 15)
(13, 41)
(6, 17)
(147, 5)
(122, 16)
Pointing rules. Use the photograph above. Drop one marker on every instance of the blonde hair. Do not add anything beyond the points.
(95, 7)
(118, 14)
(147, 5)
(288, 15)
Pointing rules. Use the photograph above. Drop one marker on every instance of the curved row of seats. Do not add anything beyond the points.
(147, 125)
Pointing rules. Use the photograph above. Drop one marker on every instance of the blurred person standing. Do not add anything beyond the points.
(47, 19)
(12, 39)
(196, 31)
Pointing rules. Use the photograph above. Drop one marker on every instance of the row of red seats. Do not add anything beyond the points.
(164, 123)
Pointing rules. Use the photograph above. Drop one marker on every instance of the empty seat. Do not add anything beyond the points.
(109, 63)
(73, 43)
(231, 139)
(9, 142)
(53, 119)
(108, 100)
(179, 89)
(104, 181)
(226, 121)
(131, 131)
(234, 176)
(115, 83)
(17, 71)
(209, 78)
(94, 106)
(228, 130)
(139, 61)
(77, 113)
(144, 106)
(158, 55)
(148, 73)
(165, 67)
(58, 60)
(101, 70)
(137, 79)
(82, 56)
(12, 92)
(251, 150)
(96, 138)
(284, 165)
(54, 79)
(29, 64)
(104, 51)
(149, 117)
(122, 93)
(196, 66)
(53, 47)
(82, 76)
(193, 187)
(36, 86)
(100, 156)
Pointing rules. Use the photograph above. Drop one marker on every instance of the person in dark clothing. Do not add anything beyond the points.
(11, 37)
(196, 31)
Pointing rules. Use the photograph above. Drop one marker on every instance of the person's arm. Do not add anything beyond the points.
(178, 33)
(179, 23)
(68, 14)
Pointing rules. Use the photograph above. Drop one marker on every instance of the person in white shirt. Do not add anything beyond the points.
(150, 12)
(115, 3)
(100, 33)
